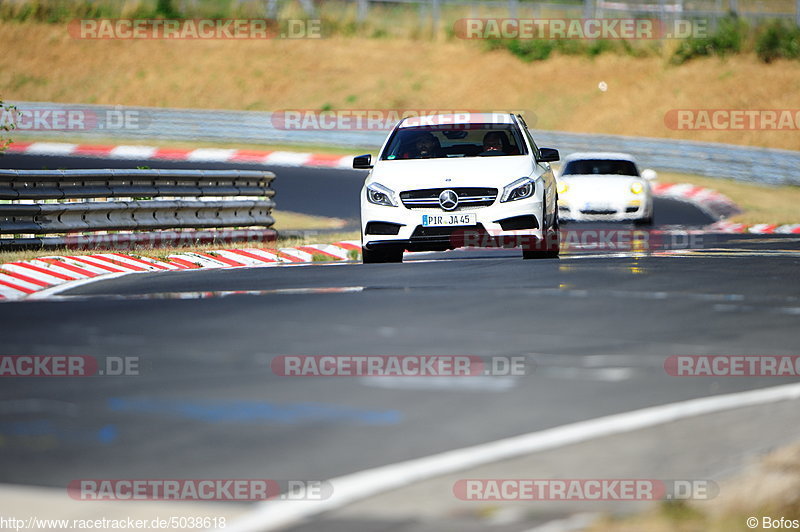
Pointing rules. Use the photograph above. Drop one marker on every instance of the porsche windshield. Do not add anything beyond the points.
(600, 167)
(468, 140)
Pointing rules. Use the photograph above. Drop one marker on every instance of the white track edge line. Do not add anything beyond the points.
(69, 285)
(276, 515)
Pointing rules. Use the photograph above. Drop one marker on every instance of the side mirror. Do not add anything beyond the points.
(649, 174)
(548, 155)
(362, 162)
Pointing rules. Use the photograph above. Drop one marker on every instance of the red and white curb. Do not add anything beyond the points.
(724, 226)
(717, 205)
(24, 278)
(203, 155)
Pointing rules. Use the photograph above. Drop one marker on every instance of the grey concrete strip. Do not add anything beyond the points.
(728, 441)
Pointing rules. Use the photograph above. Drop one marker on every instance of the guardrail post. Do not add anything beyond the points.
(718, 12)
(362, 8)
(588, 9)
(797, 12)
(308, 7)
(435, 14)
(272, 9)
(512, 8)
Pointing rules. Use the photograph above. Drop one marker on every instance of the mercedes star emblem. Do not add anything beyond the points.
(448, 200)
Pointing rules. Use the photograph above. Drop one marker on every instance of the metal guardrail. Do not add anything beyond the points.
(77, 204)
(743, 163)
(431, 10)
(662, 9)
(750, 164)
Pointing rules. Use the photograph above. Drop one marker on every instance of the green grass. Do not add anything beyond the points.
(733, 35)
(771, 40)
(57, 11)
(729, 38)
(778, 40)
(766, 488)
(530, 50)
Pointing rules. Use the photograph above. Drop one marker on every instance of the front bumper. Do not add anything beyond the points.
(634, 208)
(499, 221)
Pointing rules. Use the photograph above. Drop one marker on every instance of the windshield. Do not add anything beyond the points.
(469, 140)
(600, 167)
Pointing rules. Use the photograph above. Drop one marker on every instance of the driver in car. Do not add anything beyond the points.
(493, 144)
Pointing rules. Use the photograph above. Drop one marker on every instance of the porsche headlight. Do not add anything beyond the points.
(636, 187)
(562, 187)
(520, 189)
(380, 195)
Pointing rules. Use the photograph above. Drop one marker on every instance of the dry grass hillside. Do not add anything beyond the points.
(42, 62)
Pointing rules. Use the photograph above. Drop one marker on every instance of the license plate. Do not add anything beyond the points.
(443, 220)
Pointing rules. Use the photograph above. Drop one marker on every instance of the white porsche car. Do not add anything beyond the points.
(447, 181)
(605, 186)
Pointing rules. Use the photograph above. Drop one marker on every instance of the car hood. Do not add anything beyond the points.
(413, 174)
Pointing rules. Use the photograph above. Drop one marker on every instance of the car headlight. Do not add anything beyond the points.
(562, 187)
(636, 187)
(520, 189)
(380, 195)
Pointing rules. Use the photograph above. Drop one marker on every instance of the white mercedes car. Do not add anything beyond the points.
(605, 186)
(468, 179)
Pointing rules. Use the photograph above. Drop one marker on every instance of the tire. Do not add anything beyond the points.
(381, 255)
(647, 220)
(552, 240)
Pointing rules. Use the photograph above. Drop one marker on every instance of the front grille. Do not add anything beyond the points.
(444, 233)
(467, 197)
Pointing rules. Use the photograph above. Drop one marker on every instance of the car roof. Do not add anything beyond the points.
(457, 118)
(601, 155)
